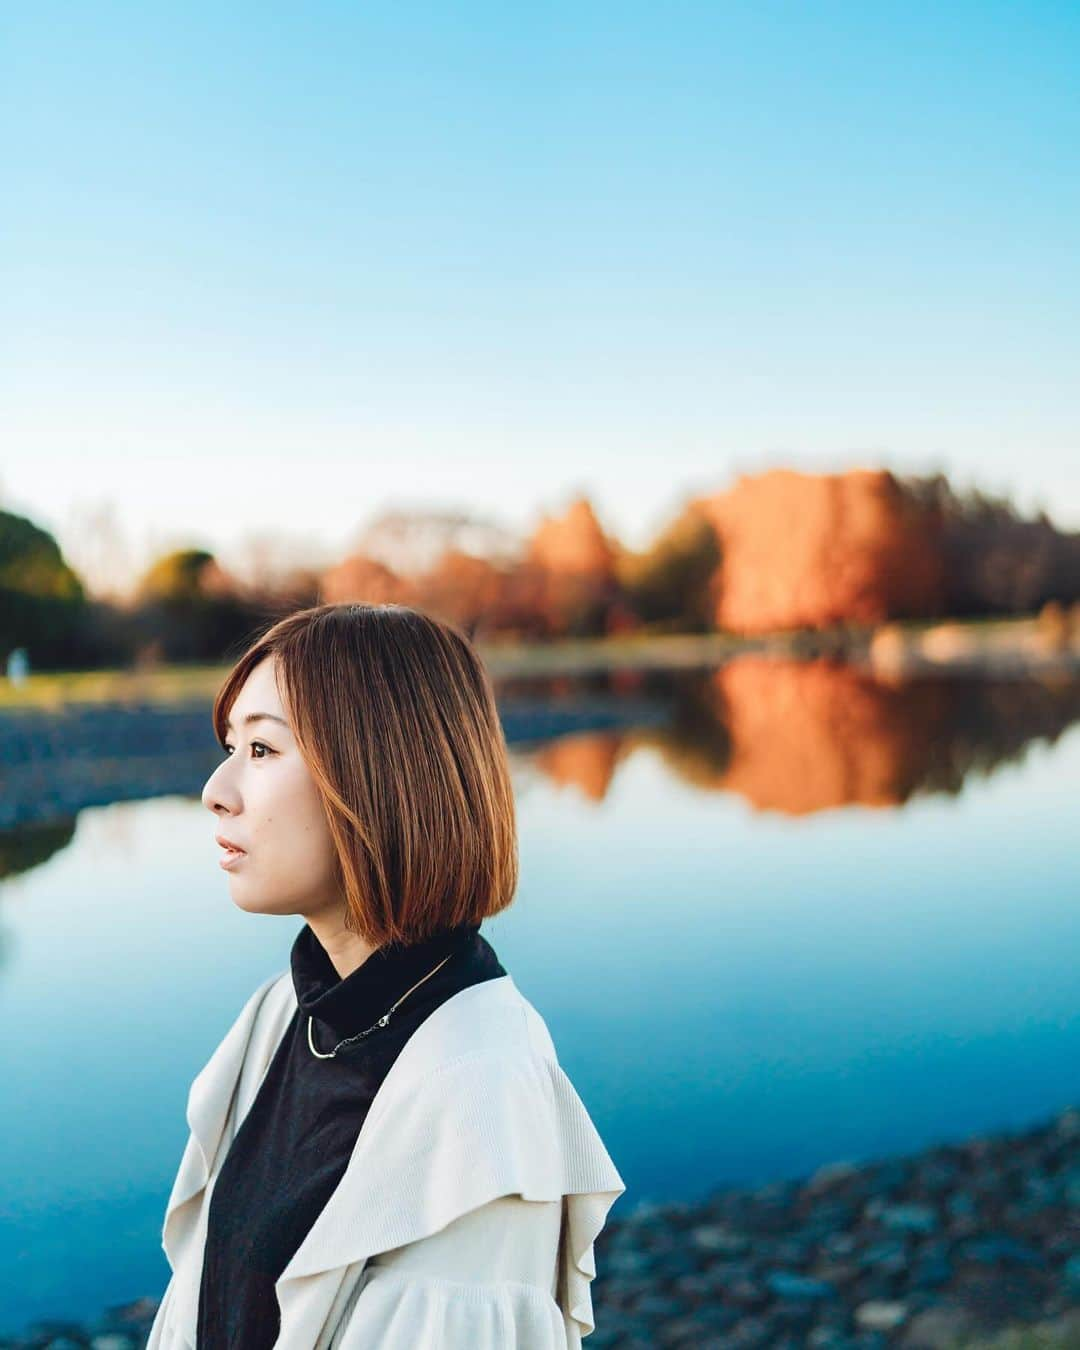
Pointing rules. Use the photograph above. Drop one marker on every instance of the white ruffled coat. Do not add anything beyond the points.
(466, 1216)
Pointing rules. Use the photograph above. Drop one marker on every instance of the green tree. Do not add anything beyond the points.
(41, 598)
(190, 609)
(178, 577)
(671, 585)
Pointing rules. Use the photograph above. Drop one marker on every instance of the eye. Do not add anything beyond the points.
(254, 744)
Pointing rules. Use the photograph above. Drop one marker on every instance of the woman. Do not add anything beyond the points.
(384, 1151)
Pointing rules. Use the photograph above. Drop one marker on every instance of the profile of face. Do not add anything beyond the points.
(266, 803)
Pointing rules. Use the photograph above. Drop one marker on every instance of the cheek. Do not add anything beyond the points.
(291, 816)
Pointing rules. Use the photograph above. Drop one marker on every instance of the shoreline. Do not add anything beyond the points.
(950, 1245)
(1048, 643)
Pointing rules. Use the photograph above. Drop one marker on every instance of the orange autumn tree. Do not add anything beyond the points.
(812, 550)
(575, 564)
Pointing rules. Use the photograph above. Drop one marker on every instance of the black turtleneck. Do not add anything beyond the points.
(295, 1142)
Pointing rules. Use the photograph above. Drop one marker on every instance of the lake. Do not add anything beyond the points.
(775, 915)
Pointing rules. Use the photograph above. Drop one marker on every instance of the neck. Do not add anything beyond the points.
(346, 951)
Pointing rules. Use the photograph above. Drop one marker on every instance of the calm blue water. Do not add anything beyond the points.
(737, 993)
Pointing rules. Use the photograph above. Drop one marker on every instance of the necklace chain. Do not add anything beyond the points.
(382, 1021)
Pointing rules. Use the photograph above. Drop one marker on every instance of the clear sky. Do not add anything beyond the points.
(280, 266)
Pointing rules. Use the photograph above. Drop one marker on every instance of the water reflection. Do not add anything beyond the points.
(587, 760)
(803, 737)
(787, 736)
(21, 850)
(806, 737)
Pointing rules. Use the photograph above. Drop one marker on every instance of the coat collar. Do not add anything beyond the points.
(504, 1119)
(342, 1007)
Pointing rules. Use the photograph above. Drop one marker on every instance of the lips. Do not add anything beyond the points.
(231, 855)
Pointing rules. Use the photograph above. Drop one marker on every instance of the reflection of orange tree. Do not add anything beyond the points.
(809, 736)
(800, 737)
(806, 737)
(587, 760)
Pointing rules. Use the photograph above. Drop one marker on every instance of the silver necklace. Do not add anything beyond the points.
(380, 1023)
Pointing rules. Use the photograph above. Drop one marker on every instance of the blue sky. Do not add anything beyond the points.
(279, 267)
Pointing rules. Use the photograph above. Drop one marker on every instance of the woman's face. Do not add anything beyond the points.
(266, 803)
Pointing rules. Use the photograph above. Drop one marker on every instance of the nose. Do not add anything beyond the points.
(217, 796)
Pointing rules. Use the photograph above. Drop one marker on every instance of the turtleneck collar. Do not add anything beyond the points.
(351, 1004)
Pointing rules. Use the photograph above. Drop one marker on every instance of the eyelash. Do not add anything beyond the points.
(260, 744)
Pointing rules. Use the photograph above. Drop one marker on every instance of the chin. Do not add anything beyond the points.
(243, 897)
(248, 904)
(259, 904)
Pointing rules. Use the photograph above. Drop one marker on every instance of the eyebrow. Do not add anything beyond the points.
(258, 717)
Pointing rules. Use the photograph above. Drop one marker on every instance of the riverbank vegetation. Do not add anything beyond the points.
(785, 557)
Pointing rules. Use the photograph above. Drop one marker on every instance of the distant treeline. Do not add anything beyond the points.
(777, 551)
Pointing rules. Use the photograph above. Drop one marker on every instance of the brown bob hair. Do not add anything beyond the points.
(395, 716)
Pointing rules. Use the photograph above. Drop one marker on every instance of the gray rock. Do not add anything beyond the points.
(1000, 1249)
(656, 1307)
(889, 1255)
(722, 1241)
(877, 1316)
(746, 1294)
(675, 1264)
(51, 1329)
(832, 1174)
(628, 1263)
(794, 1251)
(827, 1338)
(839, 1244)
(930, 1272)
(937, 1328)
(961, 1205)
(909, 1218)
(787, 1285)
(1067, 1125)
